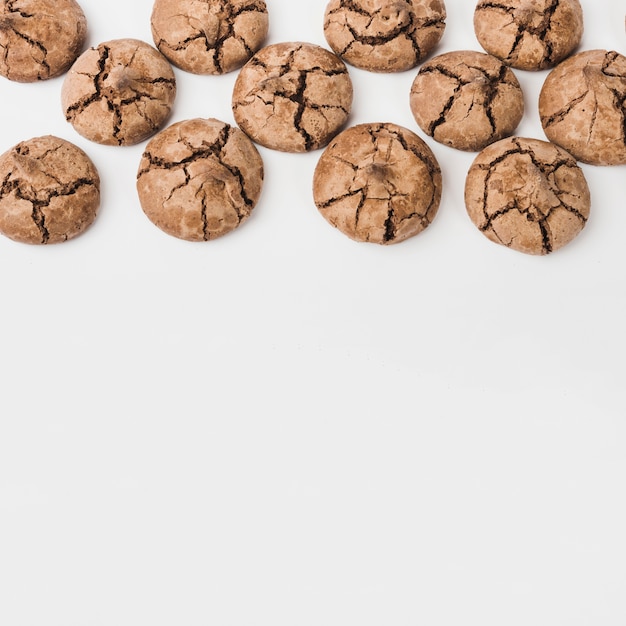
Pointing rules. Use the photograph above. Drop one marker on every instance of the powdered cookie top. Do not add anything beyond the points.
(50, 191)
(528, 195)
(39, 39)
(529, 34)
(199, 179)
(292, 96)
(119, 93)
(384, 35)
(583, 107)
(466, 99)
(209, 36)
(378, 183)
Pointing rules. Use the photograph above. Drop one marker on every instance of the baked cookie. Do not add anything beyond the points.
(119, 93)
(39, 39)
(50, 191)
(292, 97)
(209, 36)
(378, 183)
(199, 179)
(466, 99)
(527, 194)
(582, 106)
(384, 35)
(529, 34)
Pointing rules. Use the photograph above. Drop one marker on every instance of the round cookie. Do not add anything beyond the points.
(119, 93)
(466, 99)
(209, 36)
(39, 39)
(292, 96)
(529, 34)
(582, 106)
(378, 183)
(527, 194)
(199, 179)
(50, 191)
(384, 35)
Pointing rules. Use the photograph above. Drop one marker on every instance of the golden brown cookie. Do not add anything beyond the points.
(529, 34)
(582, 106)
(39, 39)
(199, 179)
(292, 97)
(378, 183)
(209, 36)
(384, 35)
(50, 191)
(119, 93)
(466, 99)
(528, 195)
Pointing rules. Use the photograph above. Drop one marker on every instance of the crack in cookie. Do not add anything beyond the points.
(50, 191)
(292, 97)
(582, 106)
(528, 195)
(209, 36)
(466, 99)
(378, 183)
(199, 179)
(39, 39)
(384, 35)
(529, 34)
(119, 93)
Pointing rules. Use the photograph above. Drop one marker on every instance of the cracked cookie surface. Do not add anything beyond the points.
(49, 193)
(119, 93)
(292, 96)
(39, 39)
(378, 183)
(199, 179)
(582, 106)
(209, 36)
(529, 34)
(528, 195)
(384, 35)
(466, 99)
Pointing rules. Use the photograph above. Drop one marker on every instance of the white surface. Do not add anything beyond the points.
(283, 427)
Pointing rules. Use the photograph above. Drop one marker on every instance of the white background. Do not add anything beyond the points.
(283, 427)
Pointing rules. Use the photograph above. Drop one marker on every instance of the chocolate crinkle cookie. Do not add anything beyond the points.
(199, 179)
(119, 93)
(529, 34)
(209, 36)
(466, 99)
(378, 183)
(528, 195)
(50, 191)
(292, 96)
(384, 35)
(582, 106)
(39, 39)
